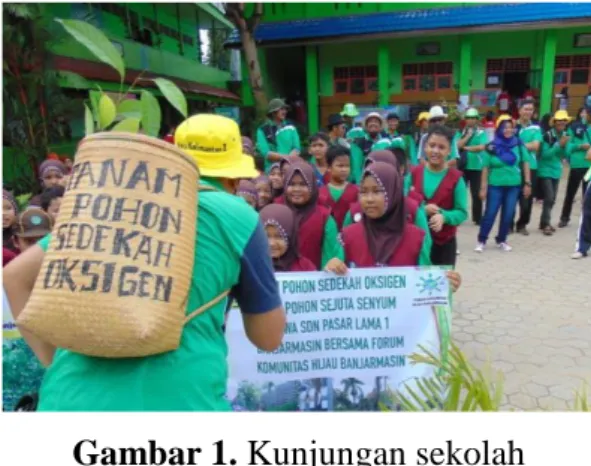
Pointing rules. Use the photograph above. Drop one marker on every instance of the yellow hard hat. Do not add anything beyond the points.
(215, 144)
(560, 115)
(503, 118)
(422, 116)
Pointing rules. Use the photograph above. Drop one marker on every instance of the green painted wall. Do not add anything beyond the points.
(510, 44)
(165, 58)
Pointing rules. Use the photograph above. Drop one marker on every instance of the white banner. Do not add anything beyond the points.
(347, 340)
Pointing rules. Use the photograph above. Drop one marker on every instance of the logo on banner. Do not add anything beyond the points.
(429, 284)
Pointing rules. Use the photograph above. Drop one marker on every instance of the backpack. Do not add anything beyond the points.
(115, 301)
(364, 145)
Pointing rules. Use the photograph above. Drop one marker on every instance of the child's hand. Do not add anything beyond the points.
(337, 266)
(455, 280)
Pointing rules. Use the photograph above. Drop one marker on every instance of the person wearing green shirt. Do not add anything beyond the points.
(232, 254)
(349, 113)
(414, 139)
(530, 135)
(471, 141)
(277, 138)
(445, 194)
(501, 182)
(579, 161)
(372, 139)
(437, 117)
(552, 153)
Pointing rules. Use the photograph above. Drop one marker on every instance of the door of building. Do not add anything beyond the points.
(509, 74)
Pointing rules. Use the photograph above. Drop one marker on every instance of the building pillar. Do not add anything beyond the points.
(547, 81)
(383, 76)
(312, 88)
(465, 74)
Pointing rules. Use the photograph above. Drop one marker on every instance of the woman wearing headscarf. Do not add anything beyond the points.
(501, 182)
(9, 215)
(317, 229)
(276, 178)
(248, 191)
(284, 165)
(280, 225)
(384, 238)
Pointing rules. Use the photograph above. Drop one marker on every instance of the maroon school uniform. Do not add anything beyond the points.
(311, 235)
(357, 252)
(443, 197)
(410, 204)
(302, 264)
(339, 209)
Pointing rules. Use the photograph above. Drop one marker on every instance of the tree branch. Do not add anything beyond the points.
(255, 19)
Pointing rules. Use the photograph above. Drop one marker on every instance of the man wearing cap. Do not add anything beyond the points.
(349, 113)
(373, 138)
(438, 117)
(552, 153)
(232, 253)
(530, 135)
(471, 142)
(336, 130)
(276, 138)
(579, 163)
(422, 124)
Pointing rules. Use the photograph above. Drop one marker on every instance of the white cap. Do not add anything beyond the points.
(436, 112)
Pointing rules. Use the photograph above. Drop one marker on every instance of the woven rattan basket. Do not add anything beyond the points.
(116, 276)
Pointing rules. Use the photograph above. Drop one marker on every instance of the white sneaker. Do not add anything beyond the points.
(479, 247)
(457, 252)
(505, 247)
(577, 255)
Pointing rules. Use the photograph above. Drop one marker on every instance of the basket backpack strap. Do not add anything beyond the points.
(206, 306)
(202, 187)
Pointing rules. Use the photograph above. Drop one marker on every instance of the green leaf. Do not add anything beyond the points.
(96, 42)
(151, 116)
(173, 94)
(130, 108)
(129, 125)
(73, 80)
(107, 111)
(88, 120)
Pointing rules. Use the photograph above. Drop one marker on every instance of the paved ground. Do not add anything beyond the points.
(528, 312)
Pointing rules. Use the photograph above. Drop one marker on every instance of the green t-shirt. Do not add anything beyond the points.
(474, 159)
(459, 213)
(501, 174)
(580, 134)
(331, 247)
(232, 253)
(335, 192)
(527, 134)
(551, 156)
(286, 139)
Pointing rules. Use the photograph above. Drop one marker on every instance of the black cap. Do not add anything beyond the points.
(335, 119)
(33, 223)
(392, 116)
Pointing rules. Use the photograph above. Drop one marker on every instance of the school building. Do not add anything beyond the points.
(415, 54)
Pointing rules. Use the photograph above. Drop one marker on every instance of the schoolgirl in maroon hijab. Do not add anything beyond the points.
(281, 228)
(317, 229)
(248, 191)
(264, 189)
(384, 237)
(411, 204)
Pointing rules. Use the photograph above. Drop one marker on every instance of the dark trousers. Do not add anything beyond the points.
(444, 254)
(472, 178)
(575, 178)
(584, 234)
(550, 190)
(526, 204)
(503, 198)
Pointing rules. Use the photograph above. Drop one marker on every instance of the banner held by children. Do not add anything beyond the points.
(347, 341)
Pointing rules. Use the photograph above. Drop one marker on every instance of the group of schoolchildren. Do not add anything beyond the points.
(523, 160)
